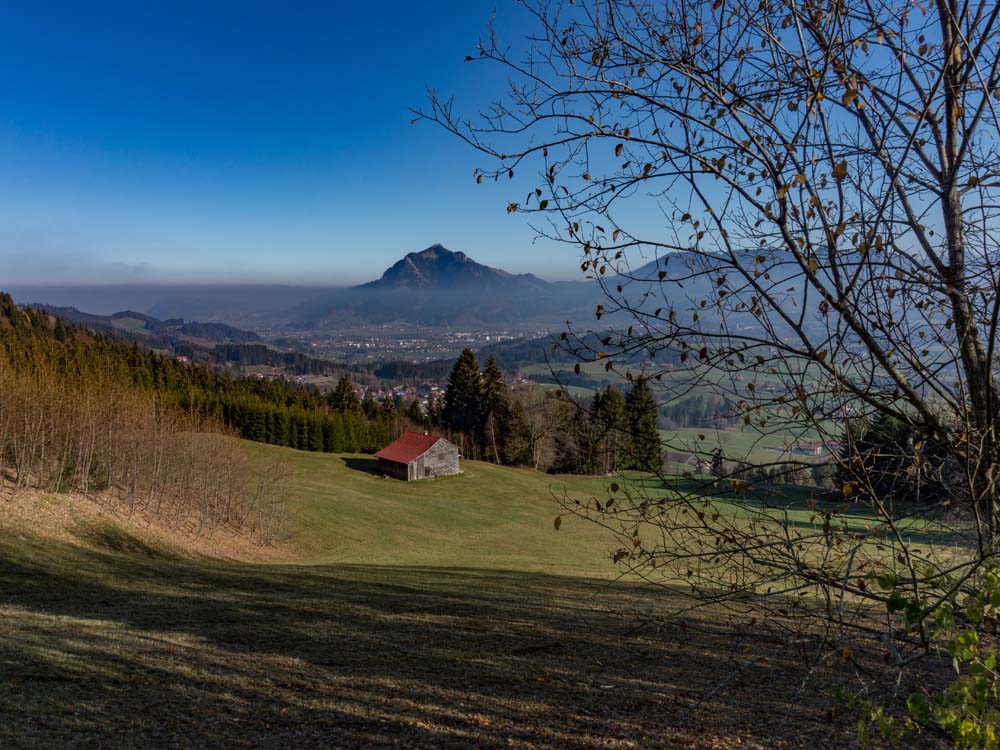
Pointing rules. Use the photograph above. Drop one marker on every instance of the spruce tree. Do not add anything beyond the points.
(611, 426)
(434, 407)
(387, 410)
(520, 445)
(415, 413)
(463, 397)
(495, 410)
(644, 437)
(316, 438)
(370, 407)
(343, 398)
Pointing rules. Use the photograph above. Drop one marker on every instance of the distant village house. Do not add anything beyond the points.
(814, 449)
(414, 456)
(689, 461)
(809, 449)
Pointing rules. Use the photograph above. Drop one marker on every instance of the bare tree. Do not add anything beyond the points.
(136, 452)
(542, 417)
(796, 204)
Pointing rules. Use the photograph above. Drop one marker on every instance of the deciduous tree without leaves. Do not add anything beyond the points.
(818, 186)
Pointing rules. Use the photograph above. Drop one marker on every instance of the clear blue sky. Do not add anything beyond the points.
(244, 142)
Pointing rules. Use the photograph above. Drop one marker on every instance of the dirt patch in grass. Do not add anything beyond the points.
(98, 522)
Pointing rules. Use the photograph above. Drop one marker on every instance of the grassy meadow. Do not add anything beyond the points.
(440, 614)
(490, 517)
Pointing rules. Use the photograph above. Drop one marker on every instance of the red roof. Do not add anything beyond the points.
(408, 447)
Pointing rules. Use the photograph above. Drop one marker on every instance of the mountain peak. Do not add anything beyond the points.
(438, 267)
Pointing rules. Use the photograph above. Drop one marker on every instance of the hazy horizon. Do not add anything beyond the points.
(198, 144)
(310, 281)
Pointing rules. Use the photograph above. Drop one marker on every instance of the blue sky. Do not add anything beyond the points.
(244, 142)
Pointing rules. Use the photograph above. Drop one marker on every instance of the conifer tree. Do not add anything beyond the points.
(495, 410)
(387, 410)
(415, 413)
(434, 407)
(282, 434)
(316, 426)
(343, 398)
(463, 398)
(369, 407)
(519, 440)
(608, 413)
(644, 437)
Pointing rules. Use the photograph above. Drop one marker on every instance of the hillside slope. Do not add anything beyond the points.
(455, 616)
(341, 510)
(97, 523)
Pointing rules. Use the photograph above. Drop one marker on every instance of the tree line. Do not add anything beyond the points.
(271, 411)
(544, 429)
(74, 420)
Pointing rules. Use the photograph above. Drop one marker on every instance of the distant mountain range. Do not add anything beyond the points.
(438, 287)
(136, 323)
(435, 287)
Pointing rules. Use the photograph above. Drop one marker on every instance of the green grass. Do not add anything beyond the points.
(433, 614)
(495, 518)
(133, 325)
(488, 517)
(737, 444)
(102, 648)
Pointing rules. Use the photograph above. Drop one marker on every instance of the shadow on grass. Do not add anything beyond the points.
(919, 524)
(115, 539)
(101, 649)
(363, 464)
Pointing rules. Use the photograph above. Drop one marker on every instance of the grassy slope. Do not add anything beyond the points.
(101, 649)
(445, 614)
(488, 517)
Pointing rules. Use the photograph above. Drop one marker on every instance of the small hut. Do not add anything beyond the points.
(414, 456)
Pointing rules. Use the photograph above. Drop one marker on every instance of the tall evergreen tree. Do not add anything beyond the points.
(415, 413)
(343, 398)
(611, 428)
(370, 407)
(387, 410)
(644, 437)
(434, 407)
(495, 411)
(463, 397)
(519, 446)
(316, 425)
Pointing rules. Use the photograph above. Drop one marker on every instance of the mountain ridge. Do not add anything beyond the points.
(173, 328)
(439, 267)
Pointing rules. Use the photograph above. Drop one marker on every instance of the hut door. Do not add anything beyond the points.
(427, 472)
